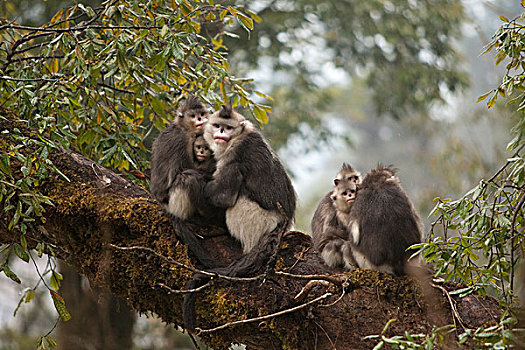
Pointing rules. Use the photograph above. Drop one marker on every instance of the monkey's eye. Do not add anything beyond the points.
(192, 116)
(203, 114)
(228, 127)
(345, 193)
(216, 125)
(199, 147)
(352, 191)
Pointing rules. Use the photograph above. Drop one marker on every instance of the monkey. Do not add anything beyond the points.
(250, 181)
(173, 155)
(175, 181)
(251, 184)
(383, 223)
(202, 155)
(330, 220)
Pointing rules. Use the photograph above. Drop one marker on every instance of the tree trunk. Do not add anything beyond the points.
(99, 320)
(99, 211)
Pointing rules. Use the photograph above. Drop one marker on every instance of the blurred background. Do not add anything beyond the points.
(357, 82)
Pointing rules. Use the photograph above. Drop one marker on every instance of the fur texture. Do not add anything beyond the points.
(329, 223)
(383, 223)
(250, 183)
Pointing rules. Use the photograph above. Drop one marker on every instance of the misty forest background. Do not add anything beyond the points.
(337, 97)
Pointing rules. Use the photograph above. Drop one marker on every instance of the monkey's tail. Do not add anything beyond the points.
(193, 242)
(264, 254)
(188, 304)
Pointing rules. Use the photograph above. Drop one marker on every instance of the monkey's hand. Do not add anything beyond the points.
(223, 190)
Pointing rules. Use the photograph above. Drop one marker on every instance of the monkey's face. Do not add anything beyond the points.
(197, 118)
(224, 130)
(343, 195)
(201, 150)
(349, 176)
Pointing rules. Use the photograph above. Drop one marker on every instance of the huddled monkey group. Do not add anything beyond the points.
(368, 223)
(219, 167)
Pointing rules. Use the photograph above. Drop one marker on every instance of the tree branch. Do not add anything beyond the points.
(111, 231)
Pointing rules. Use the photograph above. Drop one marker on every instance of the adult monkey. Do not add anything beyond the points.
(175, 182)
(252, 185)
(383, 223)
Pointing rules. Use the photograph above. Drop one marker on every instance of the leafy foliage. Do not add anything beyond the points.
(403, 49)
(104, 80)
(478, 239)
(481, 239)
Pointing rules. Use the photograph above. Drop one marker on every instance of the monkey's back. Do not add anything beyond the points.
(388, 224)
(170, 157)
(265, 180)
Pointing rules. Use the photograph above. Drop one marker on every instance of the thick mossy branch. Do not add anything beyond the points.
(98, 211)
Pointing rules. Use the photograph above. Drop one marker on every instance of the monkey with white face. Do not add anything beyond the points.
(383, 223)
(251, 184)
(330, 220)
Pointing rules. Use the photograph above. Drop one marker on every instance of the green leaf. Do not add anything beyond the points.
(5, 165)
(55, 280)
(482, 97)
(16, 216)
(11, 274)
(21, 252)
(60, 306)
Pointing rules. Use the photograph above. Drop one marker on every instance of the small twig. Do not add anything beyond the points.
(452, 306)
(194, 341)
(337, 300)
(190, 268)
(262, 318)
(28, 80)
(10, 184)
(183, 291)
(512, 228)
(337, 279)
(116, 88)
(326, 334)
(308, 287)
(301, 255)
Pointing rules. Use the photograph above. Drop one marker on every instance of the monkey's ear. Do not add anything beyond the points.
(180, 115)
(333, 197)
(336, 181)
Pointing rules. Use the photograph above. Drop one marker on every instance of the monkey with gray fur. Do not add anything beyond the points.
(252, 185)
(383, 223)
(330, 220)
(175, 181)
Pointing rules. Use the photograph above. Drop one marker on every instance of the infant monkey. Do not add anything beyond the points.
(202, 155)
(330, 220)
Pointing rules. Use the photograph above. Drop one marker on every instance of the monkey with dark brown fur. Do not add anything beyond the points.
(330, 220)
(203, 155)
(383, 223)
(252, 185)
(175, 181)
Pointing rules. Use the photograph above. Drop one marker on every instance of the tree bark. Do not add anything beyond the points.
(99, 213)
